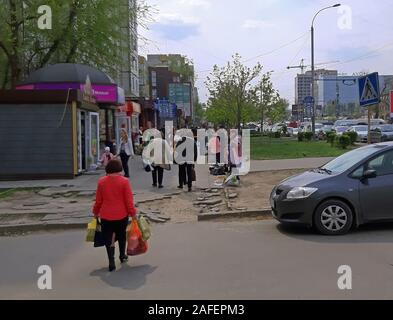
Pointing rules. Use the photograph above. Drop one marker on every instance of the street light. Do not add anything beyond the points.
(313, 64)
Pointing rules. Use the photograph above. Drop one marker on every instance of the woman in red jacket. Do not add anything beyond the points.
(114, 204)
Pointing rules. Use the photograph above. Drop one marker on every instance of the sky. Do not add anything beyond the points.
(356, 37)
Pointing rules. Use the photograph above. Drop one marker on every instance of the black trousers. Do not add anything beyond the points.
(124, 161)
(185, 174)
(157, 174)
(114, 230)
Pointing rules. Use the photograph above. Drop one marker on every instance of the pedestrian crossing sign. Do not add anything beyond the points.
(369, 90)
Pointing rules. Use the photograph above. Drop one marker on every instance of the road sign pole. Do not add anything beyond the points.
(369, 125)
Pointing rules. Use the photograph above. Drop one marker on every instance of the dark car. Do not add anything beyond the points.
(353, 189)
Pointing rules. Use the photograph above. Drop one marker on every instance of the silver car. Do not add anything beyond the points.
(386, 132)
(362, 132)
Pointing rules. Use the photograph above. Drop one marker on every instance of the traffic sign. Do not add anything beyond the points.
(308, 100)
(369, 90)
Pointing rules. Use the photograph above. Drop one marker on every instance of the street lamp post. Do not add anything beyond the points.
(313, 65)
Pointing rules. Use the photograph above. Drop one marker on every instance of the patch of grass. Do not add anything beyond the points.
(263, 148)
(9, 192)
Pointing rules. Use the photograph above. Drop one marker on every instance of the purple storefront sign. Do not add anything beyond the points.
(102, 93)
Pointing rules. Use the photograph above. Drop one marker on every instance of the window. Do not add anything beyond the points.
(382, 164)
(154, 79)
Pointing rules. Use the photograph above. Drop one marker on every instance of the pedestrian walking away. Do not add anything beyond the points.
(125, 150)
(186, 154)
(114, 205)
(158, 153)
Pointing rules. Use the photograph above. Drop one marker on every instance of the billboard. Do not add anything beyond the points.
(180, 94)
(166, 109)
(102, 93)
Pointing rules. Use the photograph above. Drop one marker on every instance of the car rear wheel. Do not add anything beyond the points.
(333, 217)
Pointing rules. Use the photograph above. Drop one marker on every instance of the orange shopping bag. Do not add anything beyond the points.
(135, 244)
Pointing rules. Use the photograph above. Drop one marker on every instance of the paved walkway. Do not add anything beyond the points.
(141, 181)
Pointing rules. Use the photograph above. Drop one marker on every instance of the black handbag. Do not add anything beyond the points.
(193, 174)
(99, 240)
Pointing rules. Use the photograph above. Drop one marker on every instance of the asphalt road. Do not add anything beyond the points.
(209, 260)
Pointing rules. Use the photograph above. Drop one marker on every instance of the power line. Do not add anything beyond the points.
(274, 50)
(266, 53)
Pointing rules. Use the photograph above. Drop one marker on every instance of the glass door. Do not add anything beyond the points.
(94, 153)
(81, 120)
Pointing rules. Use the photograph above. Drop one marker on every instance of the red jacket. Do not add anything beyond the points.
(114, 199)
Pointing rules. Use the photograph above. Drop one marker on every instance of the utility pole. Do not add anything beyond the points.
(337, 100)
(262, 108)
(313, 63)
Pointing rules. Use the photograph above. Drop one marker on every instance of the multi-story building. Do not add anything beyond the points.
(182, 89)
(128, 73)
(303, 84)
(339, 95)
(166, 81)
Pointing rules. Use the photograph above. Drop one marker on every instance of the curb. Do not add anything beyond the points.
(257, 213)
(24, 228)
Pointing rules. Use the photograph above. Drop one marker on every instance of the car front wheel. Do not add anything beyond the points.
(333, 217)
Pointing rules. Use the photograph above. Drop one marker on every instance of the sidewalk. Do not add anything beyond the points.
(65, 204)
(141, 181)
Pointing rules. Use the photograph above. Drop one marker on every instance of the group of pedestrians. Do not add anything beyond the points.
(114, 203)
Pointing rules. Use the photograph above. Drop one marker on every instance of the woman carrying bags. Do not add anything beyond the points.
(125, 150)
(114, 205)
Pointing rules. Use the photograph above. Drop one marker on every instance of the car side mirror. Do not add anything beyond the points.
(369, 174)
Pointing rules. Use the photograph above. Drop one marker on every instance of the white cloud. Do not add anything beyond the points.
(257, 24)
(167, 18)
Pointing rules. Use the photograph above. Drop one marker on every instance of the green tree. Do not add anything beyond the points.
(182, 65)
(89, 32)
(278, 110)
(232, 93)
(267, 98)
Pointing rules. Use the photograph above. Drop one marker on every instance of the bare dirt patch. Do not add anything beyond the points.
(256, 187)
(253, 193)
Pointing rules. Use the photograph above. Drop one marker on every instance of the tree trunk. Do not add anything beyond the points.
(14, 52)
(6, 76)
(71, 18)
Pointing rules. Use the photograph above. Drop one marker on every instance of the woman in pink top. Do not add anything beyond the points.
(114, 205)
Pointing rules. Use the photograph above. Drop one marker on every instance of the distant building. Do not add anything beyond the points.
(167, 92)
(339, 95)
(303, 84)
(128, 73)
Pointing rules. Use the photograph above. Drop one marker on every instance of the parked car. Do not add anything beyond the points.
(340, 130)
(278, 127)
(344, 123)
(386, 131)
(362, 132)
(318, 127)
(293, 132)
(353, 189)
(327, 128)
(252, 127)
